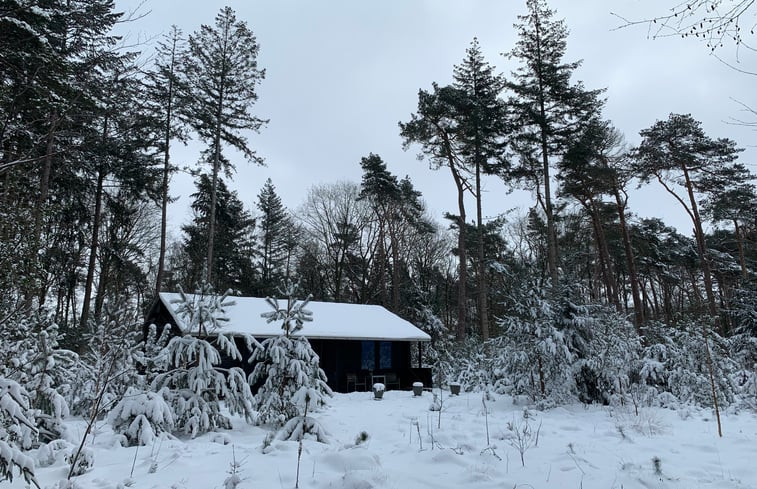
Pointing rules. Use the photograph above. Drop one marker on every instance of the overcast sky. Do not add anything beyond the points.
(341, 74)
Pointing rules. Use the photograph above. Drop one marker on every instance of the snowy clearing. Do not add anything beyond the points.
(578, 447)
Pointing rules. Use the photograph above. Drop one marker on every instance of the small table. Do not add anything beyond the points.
(380, 379)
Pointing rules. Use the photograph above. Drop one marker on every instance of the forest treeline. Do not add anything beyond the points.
(85, 167)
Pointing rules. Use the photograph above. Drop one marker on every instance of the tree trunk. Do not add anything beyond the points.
(93, 247)
(483, 289)
(395, 270)
(44, 191)
(462, 255)
(638, 307)
(551, 229)
(604, 256)
(166, 173)
(214, 183)
(740, 245)
(702, 249)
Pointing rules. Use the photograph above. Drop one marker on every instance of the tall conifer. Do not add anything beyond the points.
(222, 72)
(547, 108)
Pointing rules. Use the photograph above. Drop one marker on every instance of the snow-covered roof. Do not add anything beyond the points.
(331, 320)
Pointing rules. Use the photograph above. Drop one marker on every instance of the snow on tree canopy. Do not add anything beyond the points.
(247, 316)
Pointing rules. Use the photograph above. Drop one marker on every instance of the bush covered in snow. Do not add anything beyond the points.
(17, 432)
(108, 366)
(140, 416)
(676, 363)
(35, 361)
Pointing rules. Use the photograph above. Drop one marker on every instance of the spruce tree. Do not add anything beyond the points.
(286, 366)
(233, 239)
(222, 73)
(166, 89)
(596, 165)
(546, 107)
(273, 232)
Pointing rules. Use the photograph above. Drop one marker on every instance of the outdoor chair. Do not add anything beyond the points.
(392, 381)
(353, 382)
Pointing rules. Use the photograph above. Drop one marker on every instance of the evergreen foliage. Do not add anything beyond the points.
(286, 368)
(274, 233)
(17, 431)
(233, 240)
(222, 75)
(194, 383)
(546, 107)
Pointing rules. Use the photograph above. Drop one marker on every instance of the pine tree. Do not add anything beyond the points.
(677, 152)
(382, 190)
(195, 384)
(222, 74)
(586, 177)
(482, 137)
(731, 197)
(546, 107)
(435, 127)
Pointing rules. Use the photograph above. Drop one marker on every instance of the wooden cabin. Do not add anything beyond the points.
(358, 344)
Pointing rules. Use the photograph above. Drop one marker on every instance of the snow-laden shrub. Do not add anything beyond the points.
(432, 352)
(35, 360)
(471, 365)
(109, 363)
(603, 372)
(743, 351)
(677, 364)
(546, 334)
(296, 428)
(82, 463)
(49, 372)
(194, 383)
(17, 432)
(50, 453)
(286, 364)
(140, 416)
(748, 392)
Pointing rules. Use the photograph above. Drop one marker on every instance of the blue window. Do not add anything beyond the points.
(385, 354)
(368, 356)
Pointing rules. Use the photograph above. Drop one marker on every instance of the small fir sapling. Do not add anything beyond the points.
(676, 363)
(285, 365)
(235, 469)
(141, 416)
(299, 426)
(49, 368)
(36, 361)
(17, 432)
(194, 384)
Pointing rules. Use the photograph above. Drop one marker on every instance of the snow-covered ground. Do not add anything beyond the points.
(578, 447)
